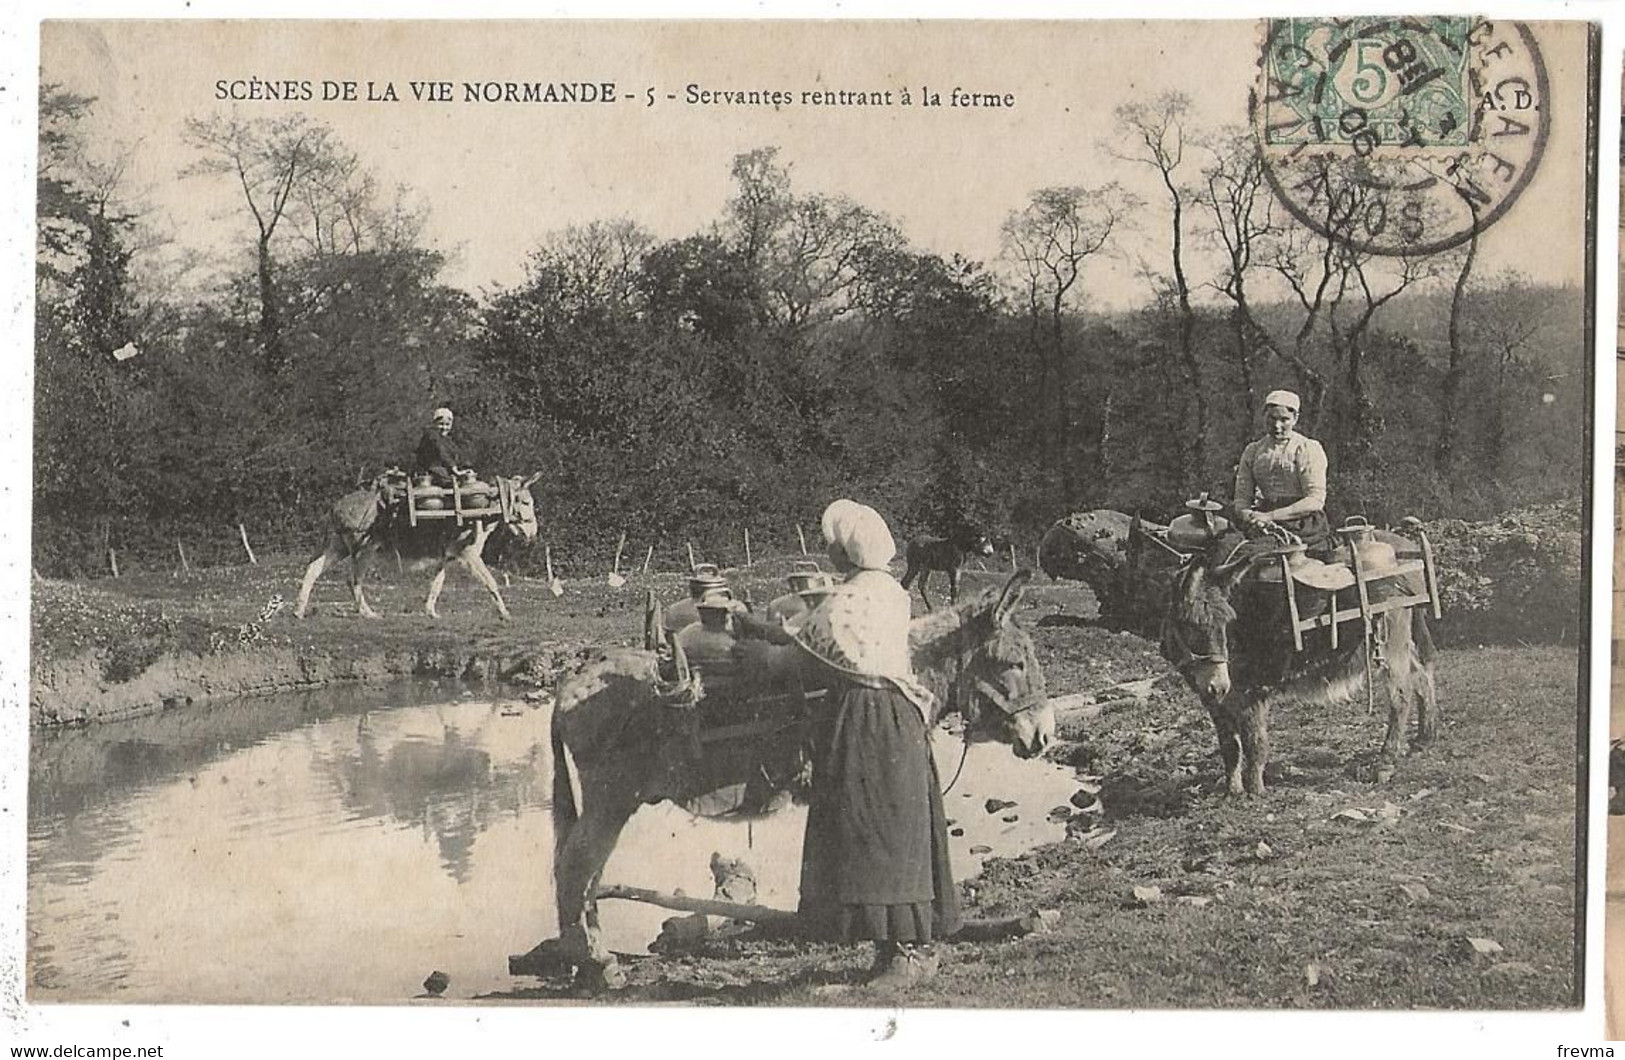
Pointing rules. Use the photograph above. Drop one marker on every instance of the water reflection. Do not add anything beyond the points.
(334, 860)
(445, 783)
(337, 847)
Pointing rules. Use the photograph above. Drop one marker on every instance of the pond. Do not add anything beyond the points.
(337, 846)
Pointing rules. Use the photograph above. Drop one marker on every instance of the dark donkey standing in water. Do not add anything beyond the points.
(624, 735)
(1230, 636)
(946, 554)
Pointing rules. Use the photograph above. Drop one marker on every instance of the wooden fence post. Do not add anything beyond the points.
(747, 546)
(185, 566)
(112, 561)
(802, 538)
(691, 557)
(243, 531)
(647, 556)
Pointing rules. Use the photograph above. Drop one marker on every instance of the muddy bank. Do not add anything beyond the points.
(79, 690)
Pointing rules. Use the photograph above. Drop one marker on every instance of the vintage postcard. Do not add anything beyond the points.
(813, 514)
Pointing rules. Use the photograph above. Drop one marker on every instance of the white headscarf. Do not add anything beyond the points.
(859, 532)
(861, 628)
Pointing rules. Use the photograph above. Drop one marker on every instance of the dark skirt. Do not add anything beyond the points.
(1316, 531)
(875, 858)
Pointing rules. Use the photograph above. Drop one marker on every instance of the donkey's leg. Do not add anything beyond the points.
(1397, 681)
(330, 554)
(953, 585)
(473, 556)
(1229, 746)
(1426, 693)
(487, 579)
(1427, 706)
(610, 795)
(360, 563)
(1252, 724)
(925, 578)
(436, 583)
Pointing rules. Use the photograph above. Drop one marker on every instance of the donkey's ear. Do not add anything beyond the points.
(525, 485)
(1011, 596)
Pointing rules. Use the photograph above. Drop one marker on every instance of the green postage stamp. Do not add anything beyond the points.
(1366, 83)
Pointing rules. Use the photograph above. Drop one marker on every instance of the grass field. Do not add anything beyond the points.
(1328, 892)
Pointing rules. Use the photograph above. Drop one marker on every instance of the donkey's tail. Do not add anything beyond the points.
(1426, 652)
(566, 788)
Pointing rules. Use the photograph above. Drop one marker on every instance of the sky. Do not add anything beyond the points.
(497, 177)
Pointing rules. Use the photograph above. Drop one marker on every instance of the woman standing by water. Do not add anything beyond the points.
(875, 859)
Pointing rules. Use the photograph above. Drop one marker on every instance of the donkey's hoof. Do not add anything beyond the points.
(598, 977)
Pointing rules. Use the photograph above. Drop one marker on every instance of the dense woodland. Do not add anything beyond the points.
(796, 348)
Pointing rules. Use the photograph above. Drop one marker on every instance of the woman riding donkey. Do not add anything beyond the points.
(1281, 479)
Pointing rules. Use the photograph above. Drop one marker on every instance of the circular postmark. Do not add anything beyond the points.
(1400, 136)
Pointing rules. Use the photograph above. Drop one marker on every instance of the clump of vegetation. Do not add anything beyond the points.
(125, 634)
(1515, 578)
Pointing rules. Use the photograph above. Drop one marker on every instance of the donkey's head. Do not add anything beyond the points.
(519, 507)
(971, 540)
(999, 686)
(1196, 631)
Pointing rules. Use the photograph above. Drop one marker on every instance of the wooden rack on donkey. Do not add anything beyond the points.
(462, 501)
(1370, 562)
(1386, 575)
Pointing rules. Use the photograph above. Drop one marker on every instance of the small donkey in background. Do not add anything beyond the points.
(947, 554)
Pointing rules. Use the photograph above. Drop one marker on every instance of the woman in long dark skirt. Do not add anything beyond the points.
(875, 859)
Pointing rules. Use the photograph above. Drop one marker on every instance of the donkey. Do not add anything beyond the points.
(623, 736)
(1230, 638)
(366, 520)
(946, 554)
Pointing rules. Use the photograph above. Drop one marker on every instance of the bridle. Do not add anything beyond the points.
(1171, 635)
(978, 685)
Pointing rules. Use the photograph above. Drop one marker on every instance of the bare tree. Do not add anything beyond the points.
(1240, 204)
(757, 210)
(272, 160)
(806, 255)
(596, 264)
(1506, 322)
(819, 256)
(1048, 241)
(1366, 283)
(1156, 131)
(1455, 374)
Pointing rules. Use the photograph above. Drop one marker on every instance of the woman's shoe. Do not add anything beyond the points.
(910, 965)
(924, 958)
